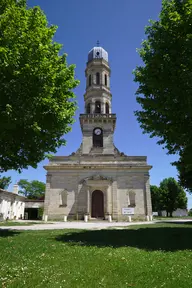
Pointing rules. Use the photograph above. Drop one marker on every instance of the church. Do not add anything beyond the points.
(97, 181)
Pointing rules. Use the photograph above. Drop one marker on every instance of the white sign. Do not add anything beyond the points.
(128, 211)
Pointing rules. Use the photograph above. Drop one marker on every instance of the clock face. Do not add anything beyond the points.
(97, 131)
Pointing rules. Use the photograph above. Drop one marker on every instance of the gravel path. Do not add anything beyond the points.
(87, 226)
(75, 225)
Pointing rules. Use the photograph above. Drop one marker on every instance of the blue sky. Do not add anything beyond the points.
(119, 26)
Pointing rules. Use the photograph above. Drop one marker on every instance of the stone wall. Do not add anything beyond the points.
(87, 143)
(122, 182)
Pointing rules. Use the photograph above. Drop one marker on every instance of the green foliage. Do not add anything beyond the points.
(32, 190)
(37, 102)
(165, 83)
(184, 167)
(168, 196)
(5, 182)
(155, 198)
(172, 195)
(190, 212)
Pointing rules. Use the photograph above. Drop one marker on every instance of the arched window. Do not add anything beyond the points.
(97, 78)
(89, 80)
(88, 108)
(107, 108)
(97, 137)
(105, 80)
(97, 107)
(132, 199)
(63, 198)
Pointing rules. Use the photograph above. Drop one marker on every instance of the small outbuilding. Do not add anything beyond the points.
(12, 205)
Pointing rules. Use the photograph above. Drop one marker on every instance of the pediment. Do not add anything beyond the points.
(97, 178)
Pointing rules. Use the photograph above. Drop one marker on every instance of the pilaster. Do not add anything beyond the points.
(114, 200)
(147, 195)
(88, 200)
(47, 195)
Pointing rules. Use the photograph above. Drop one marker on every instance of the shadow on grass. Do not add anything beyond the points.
(150, 239)
(175, 222)
(8, 233)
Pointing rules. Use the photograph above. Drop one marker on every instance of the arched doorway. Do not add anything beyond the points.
(97, 210)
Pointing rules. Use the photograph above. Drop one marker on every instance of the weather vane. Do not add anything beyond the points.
(98, 43)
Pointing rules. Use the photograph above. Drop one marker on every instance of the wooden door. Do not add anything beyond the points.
(97, 204)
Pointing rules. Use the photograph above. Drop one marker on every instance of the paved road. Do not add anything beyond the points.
(75, 225)
(88, 225)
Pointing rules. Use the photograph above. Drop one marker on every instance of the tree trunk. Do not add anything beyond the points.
(167, 213)
(171, 214)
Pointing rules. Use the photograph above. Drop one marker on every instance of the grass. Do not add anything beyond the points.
(171, 218)
(158, 255)
(12, 223)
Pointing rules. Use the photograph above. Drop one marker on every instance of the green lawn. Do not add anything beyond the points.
(172, 218)
(141, 256)
(12, 223)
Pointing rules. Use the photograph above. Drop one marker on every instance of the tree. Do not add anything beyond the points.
(190, 213)
(37, 103)
(184, 167)
(165, 83)
(155, 198)
(172, 196)
(32, 190)
(5, 182)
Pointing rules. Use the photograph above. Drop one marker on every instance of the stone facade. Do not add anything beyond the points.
(12, 205)
(97, 180)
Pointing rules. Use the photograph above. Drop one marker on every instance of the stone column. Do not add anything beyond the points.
(92, 107)
(47, 195)
(88, 200)
(107, 202)
(148, 207)
(93, 79)
(114, 200)
(110, 109)
(102, 78)
(109, 199)
(102, 108)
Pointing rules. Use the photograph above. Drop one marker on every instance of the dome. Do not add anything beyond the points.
(97, 53)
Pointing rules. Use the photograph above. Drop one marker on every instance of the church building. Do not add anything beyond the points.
(97, 180)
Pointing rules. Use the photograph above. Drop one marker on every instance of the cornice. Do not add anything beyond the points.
(96, 167)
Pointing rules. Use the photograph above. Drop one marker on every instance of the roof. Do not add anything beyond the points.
(33, 200)
(11, 194)
(97, 53)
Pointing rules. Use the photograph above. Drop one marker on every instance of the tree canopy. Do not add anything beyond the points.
(165, 83)
(32, 189)
(168, 196)
(5, 182)
(37, 104)
(155, 197)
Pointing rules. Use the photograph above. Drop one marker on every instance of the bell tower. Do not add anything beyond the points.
(97, 122)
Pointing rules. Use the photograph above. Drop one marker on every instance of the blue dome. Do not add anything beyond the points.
(97, 53)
